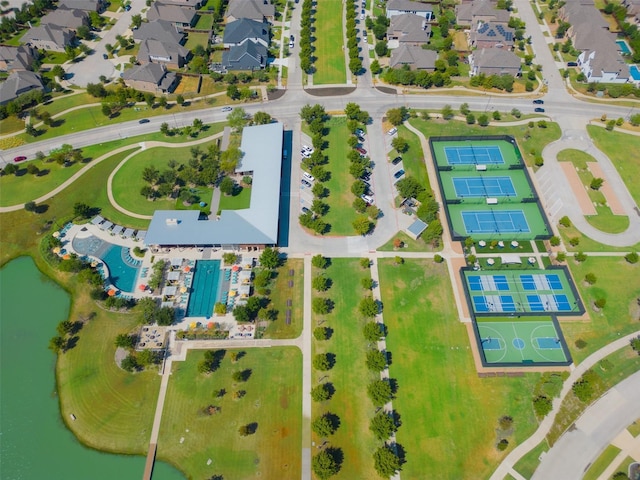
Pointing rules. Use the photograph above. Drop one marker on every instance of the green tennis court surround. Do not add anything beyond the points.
(487, 191)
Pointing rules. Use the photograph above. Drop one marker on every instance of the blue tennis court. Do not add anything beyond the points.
(469, 155)
(541, 282)
(497, 221)
(493, 303)
(549, 303)
(483, 187)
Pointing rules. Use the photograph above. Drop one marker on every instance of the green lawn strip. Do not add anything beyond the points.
(194, 39)
(114, 408)
(620, 314)
(626, 160)
(606, 221)
(128, 181)
(531, 141)
(11, 124)
(413, 158)
(349, 376)
(624, 466)
(529, 462)
(622, 363)
(410, 245)
(634, 428)
(280, 293)
(273, 400)
(601, 463)
(330, 64)
(341, 214)
(435, 370)
(587, 244)
(60, 104)
(238, 201)
(205, 22)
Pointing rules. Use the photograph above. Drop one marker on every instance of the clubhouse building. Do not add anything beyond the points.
(248, 229)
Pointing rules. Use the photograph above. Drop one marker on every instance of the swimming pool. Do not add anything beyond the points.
(204, 288)
(634, 71)
(624, 47)
(123, 268)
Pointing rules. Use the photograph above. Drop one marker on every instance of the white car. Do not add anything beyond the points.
(307, 148)
(227, 109)
(368, 199)
(305, 154)
(308, 177)
(393, 131)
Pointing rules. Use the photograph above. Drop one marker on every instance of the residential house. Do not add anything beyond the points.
(48, 37)
(69, 19)
(244, 30)
(189, 4)
(400, 7)
(492, 35)
(416, 57)
(172, 55)
(409, 29)
(160, 30)
(179, 17)
(470, 13)
(604, 65)
(86, 5)
(257, 10)
(246, 56)
(150, 77)
(18, 83)
(494, 61)
(16, 58)
(632, 6)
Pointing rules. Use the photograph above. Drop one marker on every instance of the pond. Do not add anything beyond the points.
(34, 442)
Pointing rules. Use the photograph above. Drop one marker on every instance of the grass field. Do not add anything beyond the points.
(115, 408)
(194, 39)
(128, 181)
(330, 64)
(341, 214)
(272, 400)
(620, 314)
(587, 244)
(240, 200)
(424, 330)
(349, 376)
(626, 160)
(280, 293)
(413, 158)
(529, 147)
(11, 124)
(529, 463)
(602, 462)
(411, 245)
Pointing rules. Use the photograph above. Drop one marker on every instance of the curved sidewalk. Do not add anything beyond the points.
(506, 467)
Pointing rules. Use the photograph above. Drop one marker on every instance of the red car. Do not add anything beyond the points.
(19, 159)
(361, 151)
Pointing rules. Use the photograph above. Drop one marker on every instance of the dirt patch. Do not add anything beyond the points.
(276, 94)
(387, 90)
(284, 432)
(330, 91)
(284, 399)
(120, 355)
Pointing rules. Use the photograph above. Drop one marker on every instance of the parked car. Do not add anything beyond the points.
(227, 109)
(393, 131)
(366, 176)
(572, 64)
(359, 132)
(305, 210)
(308, 177)
(361, 151)
(538, 110)
(368, 199)
(399, 173)
(361, 139)
(307, 148)
(291, 38)
(538, 102)
(143, 120)
(127, 7)
(364, 34)
(105, 56)
(305, 183)
(305, 154)
(21, 158)
(396, 160)
(291, 44)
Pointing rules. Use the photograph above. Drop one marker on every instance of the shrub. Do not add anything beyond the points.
(580, 344)
(561, 256)
(590, 278)
(323, 361)
(365, 262)
(505, 422)
(438, 258)
(600, 303)
(580, 257)
(631, 257)
(503, 444)
(574, 241)
(596, 183)
(565, 222)
(583, 389)
(542, 405)
(554, 241)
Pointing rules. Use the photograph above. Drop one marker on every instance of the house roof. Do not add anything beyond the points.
(417, 227)
(467, 11)
(87, 5)
(66, 18)
(253, 9)
(239, 30)
(17, 83)
(17, 58)
(408, 5)
(150, 73)
(496, 58)
(494, 32)
(154, 48)
(185, 3)
(414, 28)
(262, 153)
(48, 33)
(414, 56)
(160, 30)
(170, 13)
(247, 56)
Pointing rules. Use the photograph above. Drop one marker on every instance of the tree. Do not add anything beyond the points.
(31, 207)
(321, 283)
(542, 405)
(82, 210)
(129, 363)
(386, 462)
(362, 225)
(367, 283)
(321, 333)
(324, 464)
(590, 278)
(325, 425)
(321, 392)
(397, 115)
(383, 425)
(237, 119)
(162, 101)
(31, 130)
(57, 344)
(483, 120)
(376, 360)
(227, 186)
(261, 118)
(323, 361)
(381, 48)
(164, 129)
(596, 183)
(368, 307)
(83, 32)
(447, 112)
(400, 144)
(125, 341)
(319, 261)
(106, 110)
(270, 258)
(59, 72)
(379, 391)
(376, 69)
(372, 331)
(320, 306)
(631, 257)
(136, 21)
(409, 187)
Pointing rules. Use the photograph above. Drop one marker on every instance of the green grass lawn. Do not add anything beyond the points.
(60, 104)
(444, 407)
(620, 314)
(602, 462)
(280, 293)
(341, 214)
(115, 409)
(626, 160)
(205, 22)
(273, 400)
(634, 428)
(349, 376)
(413, 158)
(241, 199)
(194, 39)
(587, 244)
(529, 463)
(128, 181)
(410, 245)
(11, 124)
(330, 62)
(529, 147)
